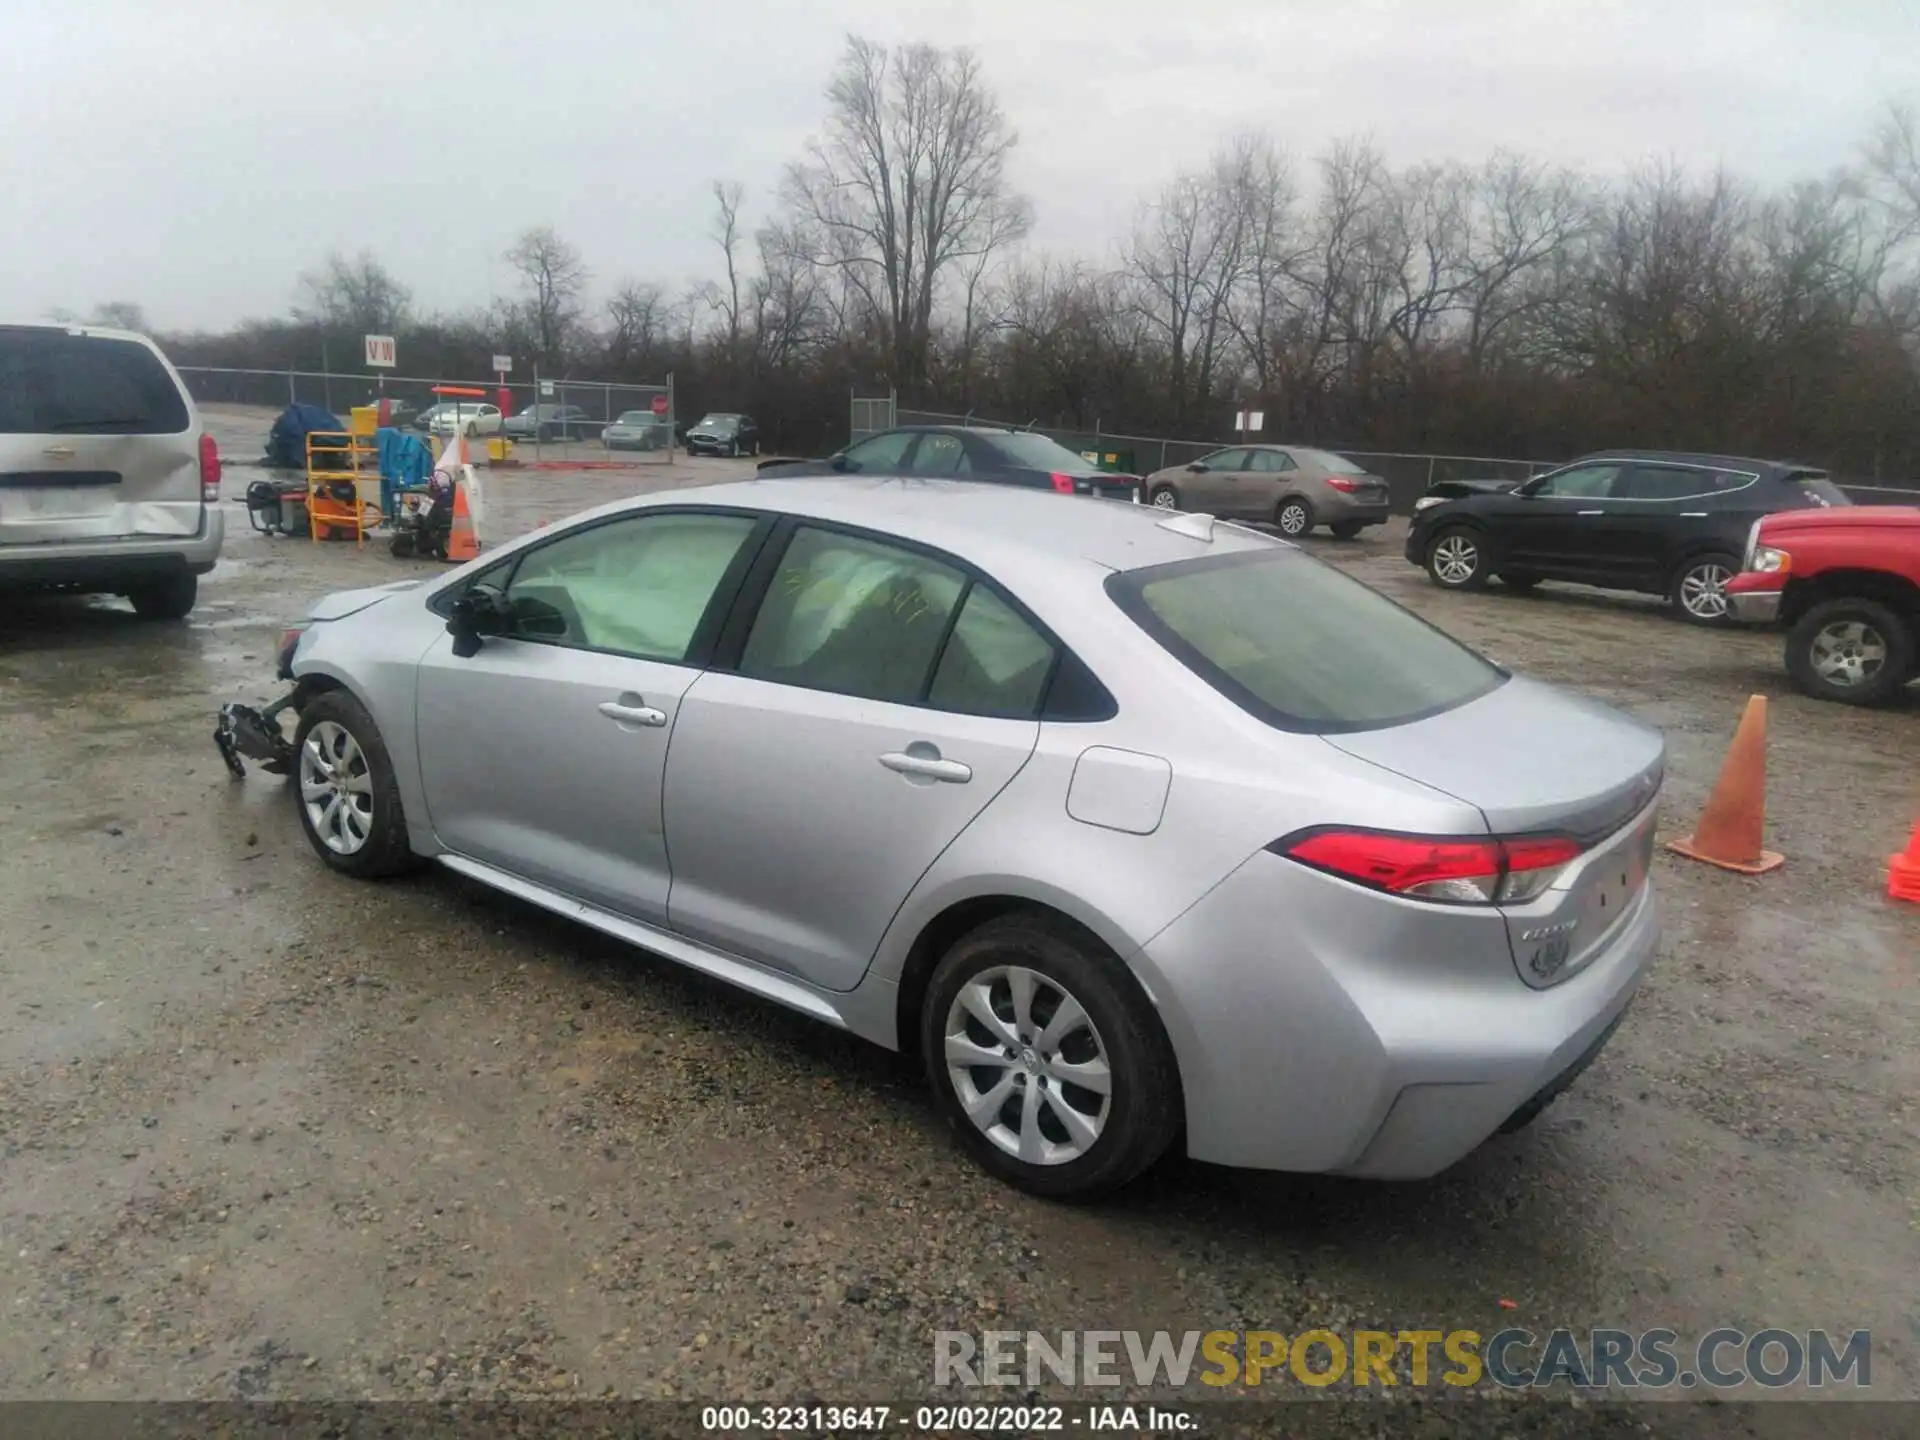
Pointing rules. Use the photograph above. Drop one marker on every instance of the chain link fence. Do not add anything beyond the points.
(559, 420)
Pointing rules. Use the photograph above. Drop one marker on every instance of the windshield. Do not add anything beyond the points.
(1039, 453)
(720, 422)
(1299, 644)
(635, 417)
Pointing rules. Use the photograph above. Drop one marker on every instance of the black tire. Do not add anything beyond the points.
(1457, 558)
(1346, 529)
(1293, 517)
(385, 851)
(1143, 1109)
(401, 545)
(168, 599)
(1520, 584)
(1895, 636)
(1164, 497)
(1697, 588)
(543, 435)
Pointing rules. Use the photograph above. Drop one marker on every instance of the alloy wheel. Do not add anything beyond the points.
(336, 787)
(1294, 519)
(1165, 499)
(1028, 1065)
(1703, 591)
(1849, 653)
(1456, 559)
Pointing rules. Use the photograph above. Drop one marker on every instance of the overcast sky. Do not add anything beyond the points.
(193, 156)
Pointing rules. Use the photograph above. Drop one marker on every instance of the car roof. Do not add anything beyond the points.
(1691, 457)
(1008, 531)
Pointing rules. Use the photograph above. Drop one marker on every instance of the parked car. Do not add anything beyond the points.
(108, 482)
(1133, 825)
(1846, 584)
(1654, 521)
(637, 430)
(1443, 490)
(465, 418)
(969, 452)
(1293, 487)
(723, 434)
(548, 423)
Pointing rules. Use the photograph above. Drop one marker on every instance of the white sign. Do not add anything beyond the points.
(503, 364)
(1249, 419)
(380, 351)
(546, 388)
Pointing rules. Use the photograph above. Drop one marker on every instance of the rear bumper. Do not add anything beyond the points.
(110, 565)
(1322, 1028)
(1344, 510)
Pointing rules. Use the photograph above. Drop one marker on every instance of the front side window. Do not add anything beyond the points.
(852, 616)
(637, 586)
(1225, 460)
(881, 453)
(1582, 482)
(1299, 644)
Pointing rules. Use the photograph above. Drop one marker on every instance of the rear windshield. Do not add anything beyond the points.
(1327, 460)
(1037, 452)
(53, 382)
(1299, 644)
(1817, 488)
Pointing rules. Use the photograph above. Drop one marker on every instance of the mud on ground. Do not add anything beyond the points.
(266, 1133)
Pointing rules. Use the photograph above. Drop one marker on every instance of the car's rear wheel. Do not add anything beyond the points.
(1699, 590)
(1347, 529)
(168, 599)
(1457, 560)
(1164, 497)
(1858, 652)
(348, 795)
(1294, 517)
(1048, 1060)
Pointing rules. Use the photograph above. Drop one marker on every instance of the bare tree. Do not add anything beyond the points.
(1524, 222)
(356, 296)
(556, 277)
(908, 182)
(725, 232)
(120, 315)
(637, 324)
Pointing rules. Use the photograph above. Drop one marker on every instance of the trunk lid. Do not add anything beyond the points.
(1536, 760)
(98, 440)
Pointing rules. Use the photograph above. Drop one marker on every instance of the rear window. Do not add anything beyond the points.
(1037, 452)
(1817, 488)
(1327, 460)
(1301, 645)
(53, 382)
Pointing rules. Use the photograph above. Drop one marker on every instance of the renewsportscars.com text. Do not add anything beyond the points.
(1655, 1359)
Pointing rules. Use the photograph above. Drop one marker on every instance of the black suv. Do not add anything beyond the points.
(1652, 521)
(968, 452)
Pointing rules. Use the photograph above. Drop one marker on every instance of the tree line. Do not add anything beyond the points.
(1507, 307)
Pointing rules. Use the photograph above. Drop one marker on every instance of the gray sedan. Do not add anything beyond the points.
(1138, 828)
(1292, 487)
(637, 430)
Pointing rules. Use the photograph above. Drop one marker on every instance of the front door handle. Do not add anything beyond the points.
(632, 714)
(927, 767)
(59, 452)
(1589, 512)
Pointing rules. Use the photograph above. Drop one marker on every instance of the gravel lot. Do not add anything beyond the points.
(266, 1133)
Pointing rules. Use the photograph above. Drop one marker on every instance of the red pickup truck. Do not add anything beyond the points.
(1846, 583)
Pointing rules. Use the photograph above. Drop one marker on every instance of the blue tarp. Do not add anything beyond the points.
(405, 461)
(287, 442)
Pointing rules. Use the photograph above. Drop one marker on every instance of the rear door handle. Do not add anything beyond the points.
(633, 714)
(60, 452)
(1589, 512)
(927, 767)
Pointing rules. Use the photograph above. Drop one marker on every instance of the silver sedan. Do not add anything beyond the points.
(1138, 827)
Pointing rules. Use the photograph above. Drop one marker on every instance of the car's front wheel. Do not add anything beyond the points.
(1048, 1061)
(1699, 589)
(1457, 559)
(1855, 651)
(1164, 497)
(348, 795)
(168, 599)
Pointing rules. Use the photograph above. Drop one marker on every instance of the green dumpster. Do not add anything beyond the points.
(1113, 462)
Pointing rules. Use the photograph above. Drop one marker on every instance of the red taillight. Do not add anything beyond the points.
(209, 471)
(1345, 484)
(1471, 870)
(1062, 483)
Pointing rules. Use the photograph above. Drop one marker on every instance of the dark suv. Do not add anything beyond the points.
(1653, 521)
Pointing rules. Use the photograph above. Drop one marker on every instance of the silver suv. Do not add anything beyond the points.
(108, 483)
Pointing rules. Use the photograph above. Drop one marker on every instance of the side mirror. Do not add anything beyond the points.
(1198, 467)
(841, 463)
(480, 610)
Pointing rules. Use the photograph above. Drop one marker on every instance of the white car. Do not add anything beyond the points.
(465, 419)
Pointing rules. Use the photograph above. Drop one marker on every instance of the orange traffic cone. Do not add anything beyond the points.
(1903, 871)
(463, 544)
(1734, 822)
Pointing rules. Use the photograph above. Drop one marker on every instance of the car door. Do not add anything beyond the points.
(1216, 488)
(814, 782)
(543, 753)
(1265, 481)
(1658, 513)
(1549, 526)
